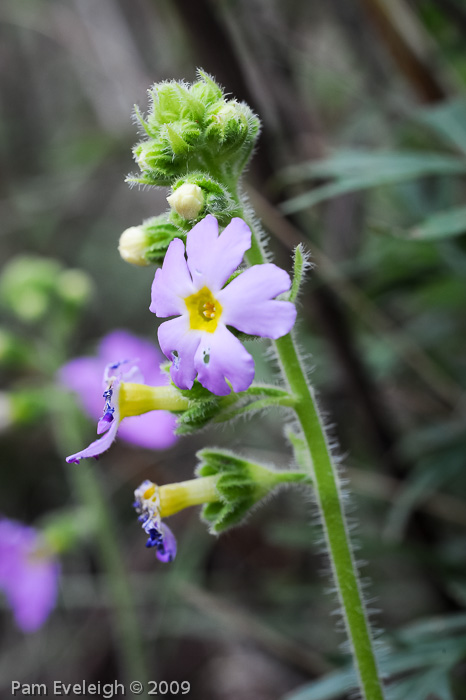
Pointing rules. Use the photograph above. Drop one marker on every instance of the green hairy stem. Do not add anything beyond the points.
(329, 499)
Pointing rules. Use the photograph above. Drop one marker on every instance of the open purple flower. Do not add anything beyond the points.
(28, 574)
(160, 537)
(147, 428)
(198, 342)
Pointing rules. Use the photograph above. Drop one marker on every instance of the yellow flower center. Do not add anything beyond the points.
(204, 311)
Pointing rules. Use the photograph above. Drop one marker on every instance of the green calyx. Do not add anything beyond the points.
(205, 408)
(240, 485)
(160, 232)
(192, 127)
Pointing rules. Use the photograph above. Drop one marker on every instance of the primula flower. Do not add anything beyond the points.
(198, 342)
(147, 505)
(28, 574)
(153, 430)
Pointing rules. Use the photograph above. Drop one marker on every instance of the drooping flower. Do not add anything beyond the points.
(145, 407)
(28, 574)
(153, 430)
(198, 342)
(147, 506)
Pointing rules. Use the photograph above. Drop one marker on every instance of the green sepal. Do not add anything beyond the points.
(240, 485)
(203, 406)
(160, 232)
(257, 397)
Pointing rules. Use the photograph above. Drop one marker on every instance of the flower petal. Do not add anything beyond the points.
(179, 343)
(121, 345)
(212, 258)
(28, 577)
(34, 595)
(84, 376)
(220, 355)
(248, 302)
(172, 283)
(166, 551)
(153, 430)
(98, 446)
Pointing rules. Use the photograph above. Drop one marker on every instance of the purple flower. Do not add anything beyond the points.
(28, 574)
(160, 537)
(152, 429)
(198, 342)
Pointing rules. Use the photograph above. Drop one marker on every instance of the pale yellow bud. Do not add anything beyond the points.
(187, 200)
(133, 245)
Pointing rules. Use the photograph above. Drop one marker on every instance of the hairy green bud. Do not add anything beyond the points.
(193, 127)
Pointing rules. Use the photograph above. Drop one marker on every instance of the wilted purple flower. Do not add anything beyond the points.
(147, 506)
(28, 574)
(153, 429)
(198, 342)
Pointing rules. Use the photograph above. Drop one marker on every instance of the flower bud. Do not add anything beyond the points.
(187, 201)
(133, 246)
(148, 243)
(195, 196)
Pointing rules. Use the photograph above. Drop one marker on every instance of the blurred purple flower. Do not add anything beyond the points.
(198, 342)
(154, 429)
(28, 574)
(147, 506)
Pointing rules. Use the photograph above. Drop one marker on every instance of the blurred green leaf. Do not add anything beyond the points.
(426, 650)
(449, 121)
(359, 170)
(444, 224)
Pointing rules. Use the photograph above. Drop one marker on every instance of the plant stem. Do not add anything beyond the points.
(329, 499)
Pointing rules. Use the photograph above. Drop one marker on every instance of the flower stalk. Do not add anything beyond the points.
(329, 499)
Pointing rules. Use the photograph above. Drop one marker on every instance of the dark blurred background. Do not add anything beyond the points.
(362, 157)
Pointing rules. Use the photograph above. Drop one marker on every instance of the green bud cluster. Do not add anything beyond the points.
(193, 127)
(240, 486)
